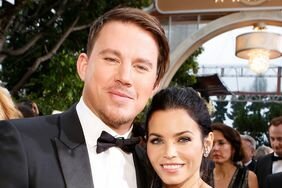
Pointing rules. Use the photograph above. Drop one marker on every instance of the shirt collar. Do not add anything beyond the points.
(93, 126)
(275, 154)
(247, 163)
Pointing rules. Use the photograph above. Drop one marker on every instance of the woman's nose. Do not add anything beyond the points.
(170, 151)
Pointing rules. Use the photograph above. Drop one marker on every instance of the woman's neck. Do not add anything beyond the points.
(224, 170)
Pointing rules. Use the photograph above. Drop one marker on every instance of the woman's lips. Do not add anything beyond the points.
(171, 167)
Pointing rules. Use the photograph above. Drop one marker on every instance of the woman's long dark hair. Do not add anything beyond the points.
(190, 101)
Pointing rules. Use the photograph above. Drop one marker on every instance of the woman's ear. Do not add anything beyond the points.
(81, 65)
(208, 143)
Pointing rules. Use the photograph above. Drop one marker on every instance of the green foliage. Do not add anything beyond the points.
(275, 110)
(59, 87)
(220, 111)
(253, 118)
(253, 122)
(185, 74)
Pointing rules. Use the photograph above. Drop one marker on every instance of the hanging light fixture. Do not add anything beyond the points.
(258, 48)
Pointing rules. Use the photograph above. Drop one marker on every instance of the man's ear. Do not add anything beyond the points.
(81, 65)
(155, 89)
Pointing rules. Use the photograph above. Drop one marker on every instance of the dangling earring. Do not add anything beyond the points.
(206, 152)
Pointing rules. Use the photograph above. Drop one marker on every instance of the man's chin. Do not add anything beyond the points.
(117, 120)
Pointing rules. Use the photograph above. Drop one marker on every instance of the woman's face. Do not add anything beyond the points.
(222, 149)
(175, 146)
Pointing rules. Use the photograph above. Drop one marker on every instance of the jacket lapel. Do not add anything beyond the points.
(144, 172)
(72, 152)
(269, 164)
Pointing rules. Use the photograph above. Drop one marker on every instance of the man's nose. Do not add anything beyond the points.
(274, 143)
(124, 74)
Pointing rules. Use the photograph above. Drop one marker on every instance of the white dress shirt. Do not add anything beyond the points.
(113, 167)
(276, 165)
(247, 163)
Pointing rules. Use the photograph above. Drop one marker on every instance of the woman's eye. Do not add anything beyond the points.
(221, 143)
(184, 139)
(155, 141)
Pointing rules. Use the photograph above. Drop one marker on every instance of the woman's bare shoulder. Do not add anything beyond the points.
(205, 185)
(252, 179)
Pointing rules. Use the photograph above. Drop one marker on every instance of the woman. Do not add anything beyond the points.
(8, 108)
(178, 130)
(227, 154)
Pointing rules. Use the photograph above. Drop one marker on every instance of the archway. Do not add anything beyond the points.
(214, 28)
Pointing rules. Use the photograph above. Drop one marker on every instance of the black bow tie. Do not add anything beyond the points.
(105, 141)
(276, 158)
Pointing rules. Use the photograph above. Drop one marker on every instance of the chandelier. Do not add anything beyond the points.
(258, 47)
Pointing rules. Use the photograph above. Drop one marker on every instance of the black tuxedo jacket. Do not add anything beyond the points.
(50, 152)
(274, 180)
(263, 169)
(252, 165)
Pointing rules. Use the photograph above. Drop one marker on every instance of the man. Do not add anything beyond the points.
(271, 163)
(274, 180)
(249, 148)
(28, 108)
(127, 55)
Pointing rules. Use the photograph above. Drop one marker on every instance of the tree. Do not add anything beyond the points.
(275, 110)
(252, 118)
(220, 111)
(33, 31)
(59, 86)
(185, 75)
(257, 122)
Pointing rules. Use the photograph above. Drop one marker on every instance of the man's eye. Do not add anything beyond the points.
(184, 139)
(141, 68)
(279, 139)
(155, 141)
(109, 59)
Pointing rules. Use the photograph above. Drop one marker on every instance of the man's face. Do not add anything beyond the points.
(120, 73)
(275, 135)
(248, 150)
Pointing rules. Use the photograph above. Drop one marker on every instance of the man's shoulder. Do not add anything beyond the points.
(274, 180)
(265, 158)
(30, 127)
(26, 123)
(264, 164)
(34, 125)
(32, 122)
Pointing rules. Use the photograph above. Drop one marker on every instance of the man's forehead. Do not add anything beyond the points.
(275, 127)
